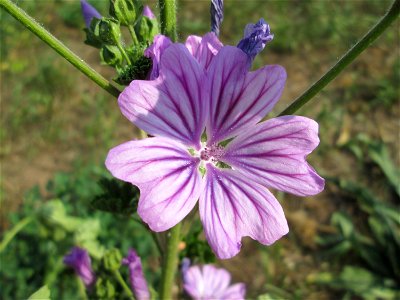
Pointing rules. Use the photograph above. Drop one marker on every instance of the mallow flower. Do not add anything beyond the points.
(210, 283)
(203, 109)
(79, 260)
(136, 276)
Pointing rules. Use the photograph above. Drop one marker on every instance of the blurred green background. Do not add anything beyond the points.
(57, 127)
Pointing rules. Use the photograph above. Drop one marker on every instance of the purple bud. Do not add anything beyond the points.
(217, 15)
(136, 277)
(148, 13)
(185, 265)
(89, 12)
(79, 260)
(256, 36)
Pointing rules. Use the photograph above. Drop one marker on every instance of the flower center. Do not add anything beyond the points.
(212, 153)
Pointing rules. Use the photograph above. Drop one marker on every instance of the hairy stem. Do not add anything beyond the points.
(133, 34)
(170, 262)
(348, 58)
(123, 284)
(21, 16)
(168, 18)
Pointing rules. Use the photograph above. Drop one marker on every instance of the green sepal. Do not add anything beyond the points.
(91, 38)
(146, 29)
(107, 30)
(126, 11)
(111, 55)
(139, 70)
(104, 289)
(112, 260)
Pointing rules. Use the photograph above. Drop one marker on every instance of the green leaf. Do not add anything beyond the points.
(344, 223)
(41, 294)
(380, 155)
(117, 197)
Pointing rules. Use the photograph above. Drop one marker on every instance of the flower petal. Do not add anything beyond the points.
(232, 206)
(204, 49)
(216, 281)
(239, 99)
(172, 105)
(193, 282)
(236, 291)
(273, 154)
(166, 174)
(155, 50)
(207, 282)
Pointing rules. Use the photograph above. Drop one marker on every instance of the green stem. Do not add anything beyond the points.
(351, 55)
(124, 53)
(14, 231)
(133, 34)
(170, 262)
(81, 288)
(21, 16)
(168, 18)
(123, 284)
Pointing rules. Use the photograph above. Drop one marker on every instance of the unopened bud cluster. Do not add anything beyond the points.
(107, 34)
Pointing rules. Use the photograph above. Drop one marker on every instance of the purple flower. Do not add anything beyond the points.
(79, 260)
(256, 36)
(210, 282)
(148, 13)
(201, 92)
(89, 12)
(217, 15)
(136, 277)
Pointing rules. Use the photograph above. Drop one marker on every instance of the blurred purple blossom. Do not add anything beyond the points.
(79, 260)
(148, 13)
(89, 12)
(136, 276)
(256, 36)
(217, 15)
(208, 282)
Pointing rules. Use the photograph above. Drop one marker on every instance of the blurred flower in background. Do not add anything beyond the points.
(208, 282)
(79, 260)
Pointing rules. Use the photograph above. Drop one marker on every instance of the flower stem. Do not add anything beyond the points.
(351, 55)
(124, 54)
(26, 20)
(14, 231)
(133, 34)
(123, 284)
(170, 262)
(168, 18)
(81, 288)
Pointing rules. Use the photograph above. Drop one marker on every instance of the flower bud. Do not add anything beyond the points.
(108, 31)
(126, 11)
(148, 13)
(112, 260)
(80, 261)
(111, 55)
(89, 12)
(146, 29)
(217, 15)
(256, 36)
(136, 276)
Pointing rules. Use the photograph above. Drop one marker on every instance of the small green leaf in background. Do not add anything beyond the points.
(42, 294)
(117, 197)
